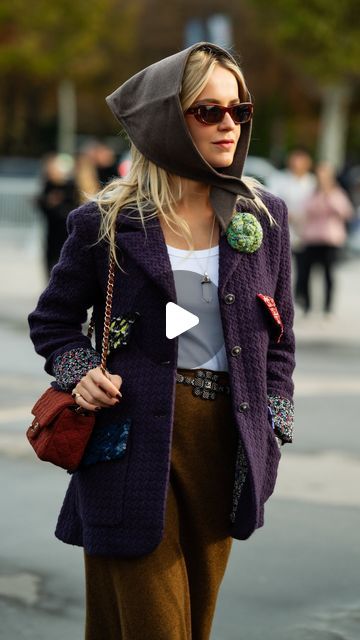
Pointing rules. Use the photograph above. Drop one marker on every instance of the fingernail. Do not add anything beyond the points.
(119, 395)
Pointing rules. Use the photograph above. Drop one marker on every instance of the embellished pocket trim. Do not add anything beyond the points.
(107, 443)
(282, 410)
(270, 305)
(120, 330)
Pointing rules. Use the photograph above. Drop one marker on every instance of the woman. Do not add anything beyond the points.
(202, 413)
(324, 231)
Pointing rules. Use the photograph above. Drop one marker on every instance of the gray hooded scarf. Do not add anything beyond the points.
(148, 107)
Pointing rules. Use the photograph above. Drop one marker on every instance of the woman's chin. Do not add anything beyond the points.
(222, 164)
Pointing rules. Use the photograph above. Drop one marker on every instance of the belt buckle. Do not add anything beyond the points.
(205, 384)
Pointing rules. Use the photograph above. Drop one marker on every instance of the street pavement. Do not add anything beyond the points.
(297, 578)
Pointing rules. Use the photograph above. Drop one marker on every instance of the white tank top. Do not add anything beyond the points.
(201, 347)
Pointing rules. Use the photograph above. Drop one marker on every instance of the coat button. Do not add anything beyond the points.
(243, 407)
(235, 351)
(229, 298)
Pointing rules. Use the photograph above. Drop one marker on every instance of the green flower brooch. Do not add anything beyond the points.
(244, 232)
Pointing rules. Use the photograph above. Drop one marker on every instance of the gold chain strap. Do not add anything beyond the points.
(107, 319)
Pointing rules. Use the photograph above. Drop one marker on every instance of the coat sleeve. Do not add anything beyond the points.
(281, 355)
(56, 323)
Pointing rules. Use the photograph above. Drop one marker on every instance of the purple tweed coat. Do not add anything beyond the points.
(117, 507)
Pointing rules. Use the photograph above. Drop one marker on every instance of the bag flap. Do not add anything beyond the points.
(50, 404)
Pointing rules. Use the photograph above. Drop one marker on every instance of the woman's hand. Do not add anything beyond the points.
(96, 390)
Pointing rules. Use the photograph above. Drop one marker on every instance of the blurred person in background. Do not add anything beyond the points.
(323, 232)
(58, 196)
(103, 158)
(183, 458)
(294, 185)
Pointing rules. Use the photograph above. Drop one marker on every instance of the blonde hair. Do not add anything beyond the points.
(152, 191)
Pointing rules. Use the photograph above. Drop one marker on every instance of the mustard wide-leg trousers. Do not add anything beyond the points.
(170, 594)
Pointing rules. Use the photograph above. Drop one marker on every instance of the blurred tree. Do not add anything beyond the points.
(287, 52)
(320, 41)
(46, 45)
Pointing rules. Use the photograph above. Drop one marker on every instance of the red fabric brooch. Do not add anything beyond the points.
(270, 304)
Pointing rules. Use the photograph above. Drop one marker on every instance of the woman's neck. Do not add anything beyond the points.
(194, 204)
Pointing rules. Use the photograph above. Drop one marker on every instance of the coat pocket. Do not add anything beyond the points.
(107, 443)
(272, 462)
(101, 479)
(269, 305)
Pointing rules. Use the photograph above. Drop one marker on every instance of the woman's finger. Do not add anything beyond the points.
(81, 402)
(116, 380)
(94, 394)
(104, 382)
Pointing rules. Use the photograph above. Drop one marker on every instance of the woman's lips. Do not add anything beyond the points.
(224, 144)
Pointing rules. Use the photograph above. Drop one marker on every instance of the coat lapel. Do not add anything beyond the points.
(150, 254)
(229, 260)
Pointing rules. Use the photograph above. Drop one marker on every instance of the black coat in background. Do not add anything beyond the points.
(56, 201)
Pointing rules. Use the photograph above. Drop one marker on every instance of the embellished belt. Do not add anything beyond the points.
(205, 383)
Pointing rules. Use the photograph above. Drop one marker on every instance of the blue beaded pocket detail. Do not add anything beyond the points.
(107, 443)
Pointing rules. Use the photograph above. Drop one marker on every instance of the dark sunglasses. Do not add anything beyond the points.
(214, 113)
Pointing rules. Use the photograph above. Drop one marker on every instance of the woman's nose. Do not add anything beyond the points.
(227, 122)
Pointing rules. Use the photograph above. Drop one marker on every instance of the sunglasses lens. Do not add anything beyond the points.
(213, 114)
(210, 114)
(242, 113)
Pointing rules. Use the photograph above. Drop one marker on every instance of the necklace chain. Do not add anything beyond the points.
(205, 279)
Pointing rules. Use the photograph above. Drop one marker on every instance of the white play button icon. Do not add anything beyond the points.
(178, 320)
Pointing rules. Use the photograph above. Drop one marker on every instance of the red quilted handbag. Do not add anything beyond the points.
(61, 429)
(59, 433)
